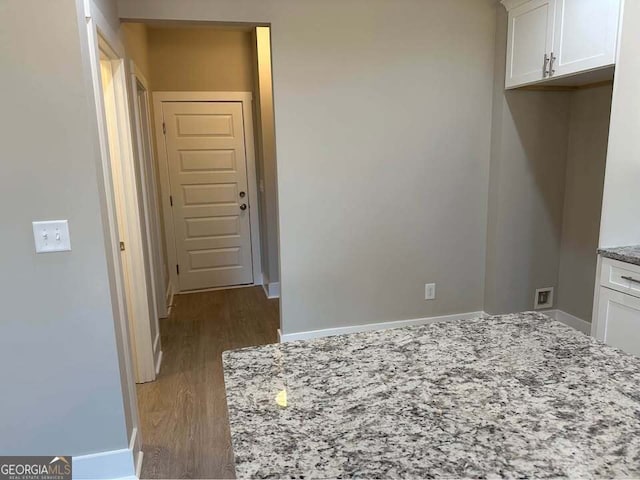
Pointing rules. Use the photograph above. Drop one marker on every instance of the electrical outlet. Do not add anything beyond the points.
(543, 298)
(429, 291)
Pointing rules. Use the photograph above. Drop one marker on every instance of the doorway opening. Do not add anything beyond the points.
(204, 143)
(139, 299)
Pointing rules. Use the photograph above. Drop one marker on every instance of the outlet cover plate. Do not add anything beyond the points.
(429, 291)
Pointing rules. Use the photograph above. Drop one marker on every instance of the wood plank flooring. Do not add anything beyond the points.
(183, 414)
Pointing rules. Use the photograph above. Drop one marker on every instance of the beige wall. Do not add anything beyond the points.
(62, 389)
(586, 158)
(545, 193)
(620, 224)
(134, 37)
(382, 116)
(200, 59)
(526, 193)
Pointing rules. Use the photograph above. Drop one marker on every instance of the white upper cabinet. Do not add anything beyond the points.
(548, 39)
(585, 35)
(529, 42)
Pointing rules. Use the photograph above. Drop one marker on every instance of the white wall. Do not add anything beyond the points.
(62, 389)
(620, 219)
(382, 118)
(586, 157)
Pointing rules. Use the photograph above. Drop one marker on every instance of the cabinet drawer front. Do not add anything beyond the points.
(619, 276)
(618, 321)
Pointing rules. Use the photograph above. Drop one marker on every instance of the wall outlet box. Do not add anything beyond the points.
(429, 291)
(543, 298)
(52, 236)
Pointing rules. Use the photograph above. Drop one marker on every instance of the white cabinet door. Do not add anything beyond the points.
(586, 33)
(618, 322)
(530, 38)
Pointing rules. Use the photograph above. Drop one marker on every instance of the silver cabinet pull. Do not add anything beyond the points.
(545, 72)
(631, 279)
(552, 60)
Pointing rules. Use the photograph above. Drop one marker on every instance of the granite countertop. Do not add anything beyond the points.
(506, 396)
(630, 254)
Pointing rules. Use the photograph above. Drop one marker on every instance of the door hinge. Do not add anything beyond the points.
(122, 246)
(171, 200)
(178, 269)
(164, 128)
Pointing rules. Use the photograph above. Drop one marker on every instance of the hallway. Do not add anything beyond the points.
(185, 429)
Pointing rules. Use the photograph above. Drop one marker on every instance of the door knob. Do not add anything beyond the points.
(243, 206)
(242, 194)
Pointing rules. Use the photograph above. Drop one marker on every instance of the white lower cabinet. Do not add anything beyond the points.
(617, 319)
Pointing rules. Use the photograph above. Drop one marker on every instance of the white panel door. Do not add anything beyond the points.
(206, 156)
(530, 38)
(619, 320)
(586, 35)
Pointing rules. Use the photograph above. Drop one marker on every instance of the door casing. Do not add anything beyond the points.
(246, 98)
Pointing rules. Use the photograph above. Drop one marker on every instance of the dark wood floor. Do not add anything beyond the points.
(185, 430)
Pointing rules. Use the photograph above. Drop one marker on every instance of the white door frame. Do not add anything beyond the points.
(100, 31)
(150, 208)
(135, 300)
(247, 112)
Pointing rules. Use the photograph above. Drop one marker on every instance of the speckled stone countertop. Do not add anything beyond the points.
(629, 254)
(507, 396)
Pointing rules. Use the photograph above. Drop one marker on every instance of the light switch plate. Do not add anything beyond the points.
(52, 236)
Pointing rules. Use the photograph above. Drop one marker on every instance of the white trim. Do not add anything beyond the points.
(138, 462)
(246, 98)
(116, 281)
(141, 118)
(271, 290)
(328, 332)
(158, 362)
(93, 12)
(570, 320)
(169, 297)
(156, 342)
(113, 464)
(511, 4)
(123, 164)
(157, 353)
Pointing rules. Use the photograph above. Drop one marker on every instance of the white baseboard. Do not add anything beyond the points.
(115, 464)
(328, 332)
(158, 362)
(271, 290)
(570, 320)
(157, 353)
(139, 460)
(169, 297)
(123, 464)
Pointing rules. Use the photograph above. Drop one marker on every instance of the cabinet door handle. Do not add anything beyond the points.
(552, 60)
(545, 72)
(631, 279)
